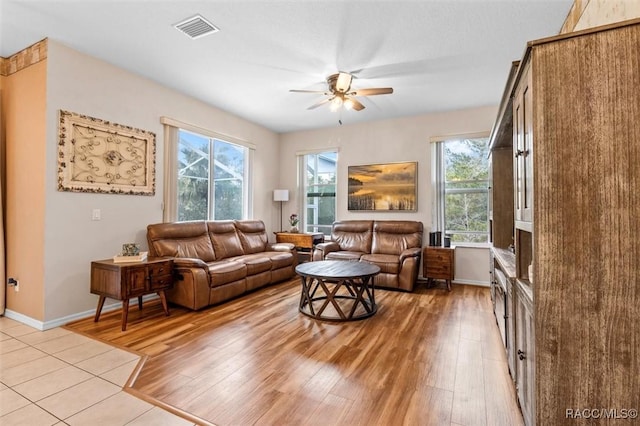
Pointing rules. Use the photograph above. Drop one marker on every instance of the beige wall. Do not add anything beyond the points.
(402, 139)
(62, 235)
(3, 191)
(24, 108)
(601, 12)
(62, 240)
(592, 13)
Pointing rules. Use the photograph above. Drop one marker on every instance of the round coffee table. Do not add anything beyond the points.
(337, 290)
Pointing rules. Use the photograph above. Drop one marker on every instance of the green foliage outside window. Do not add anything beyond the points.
(466, 195)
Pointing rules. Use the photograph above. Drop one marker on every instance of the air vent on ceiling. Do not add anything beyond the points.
(196, 27)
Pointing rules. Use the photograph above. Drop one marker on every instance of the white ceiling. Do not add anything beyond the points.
(438, 55)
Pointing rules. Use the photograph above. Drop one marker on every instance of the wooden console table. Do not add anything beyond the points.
(122, 281)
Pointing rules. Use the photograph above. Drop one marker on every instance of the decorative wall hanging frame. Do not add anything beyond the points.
(95, 155)
(383, 187)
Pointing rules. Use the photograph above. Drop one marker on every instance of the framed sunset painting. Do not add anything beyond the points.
(383, 187)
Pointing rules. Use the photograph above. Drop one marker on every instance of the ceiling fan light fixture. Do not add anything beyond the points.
(348, 103)
(336, 103)
(343, 82)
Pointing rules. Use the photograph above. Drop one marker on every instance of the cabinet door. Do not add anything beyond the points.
(523, 149)
(136, 281)
(527, 154)
(511, 332)
(524, 358)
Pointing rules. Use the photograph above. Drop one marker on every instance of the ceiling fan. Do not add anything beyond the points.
(341, 94)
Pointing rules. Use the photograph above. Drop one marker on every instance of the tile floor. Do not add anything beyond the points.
(58, 377)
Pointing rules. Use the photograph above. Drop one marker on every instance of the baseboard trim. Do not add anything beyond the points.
(39, 325)
(471, 282)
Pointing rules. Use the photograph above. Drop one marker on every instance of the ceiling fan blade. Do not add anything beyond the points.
(373, 91)
(322, 102)
(356, 104)
(307, 91)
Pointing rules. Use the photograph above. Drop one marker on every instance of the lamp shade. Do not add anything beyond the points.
(280, 195)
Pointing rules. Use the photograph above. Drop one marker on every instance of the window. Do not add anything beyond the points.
(211, 178)
(462, 180)
(319, 186)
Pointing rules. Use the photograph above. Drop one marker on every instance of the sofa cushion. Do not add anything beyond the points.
(353, 235)
(224, 237)
(253, 236)
(344, 255)
(279, 259)
(388, 263)
(187, 239)
(393, 237)
(225, 272)
(255, 263)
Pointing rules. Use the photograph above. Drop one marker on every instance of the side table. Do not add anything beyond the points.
(439, 264)
(122, 281)
(304, 242)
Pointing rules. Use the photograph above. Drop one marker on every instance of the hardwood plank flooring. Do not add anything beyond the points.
(430, 357)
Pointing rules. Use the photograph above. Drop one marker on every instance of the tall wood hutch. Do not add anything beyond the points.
(574, 106)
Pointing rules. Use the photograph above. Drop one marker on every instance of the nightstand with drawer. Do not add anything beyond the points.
(439, 264)
(123, 281)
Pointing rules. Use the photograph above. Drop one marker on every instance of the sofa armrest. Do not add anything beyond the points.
(189, 262)
(282, 247)
(323, 249)
(410, 252)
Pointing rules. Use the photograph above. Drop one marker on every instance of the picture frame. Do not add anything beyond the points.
(96, 155)
(383, 187)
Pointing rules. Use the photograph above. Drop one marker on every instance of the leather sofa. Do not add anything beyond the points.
(219, 260)
(394, 245)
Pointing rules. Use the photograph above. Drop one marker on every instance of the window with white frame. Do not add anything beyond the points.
(461, 176)
(207, 175)
(211, 178)
(318, 177)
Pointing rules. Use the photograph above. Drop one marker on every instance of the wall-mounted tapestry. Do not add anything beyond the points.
(95, 155)
(383, 187)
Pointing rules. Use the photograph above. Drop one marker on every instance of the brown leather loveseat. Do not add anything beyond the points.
(219, 260)
(394, 245)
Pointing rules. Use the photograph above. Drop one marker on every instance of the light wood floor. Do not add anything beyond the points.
(426, 358)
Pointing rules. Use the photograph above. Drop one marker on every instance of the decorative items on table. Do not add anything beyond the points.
(130, 253)
(293, 221)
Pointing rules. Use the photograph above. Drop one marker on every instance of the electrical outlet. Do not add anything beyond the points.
(12, 282)
(96, 214)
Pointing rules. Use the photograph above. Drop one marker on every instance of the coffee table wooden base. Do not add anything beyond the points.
(347, 299)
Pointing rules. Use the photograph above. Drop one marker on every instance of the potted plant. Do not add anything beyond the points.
(293, 221)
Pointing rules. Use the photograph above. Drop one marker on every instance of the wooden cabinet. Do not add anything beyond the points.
(576, 121)
(439, 264)
(501, 196)
(123, 281)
